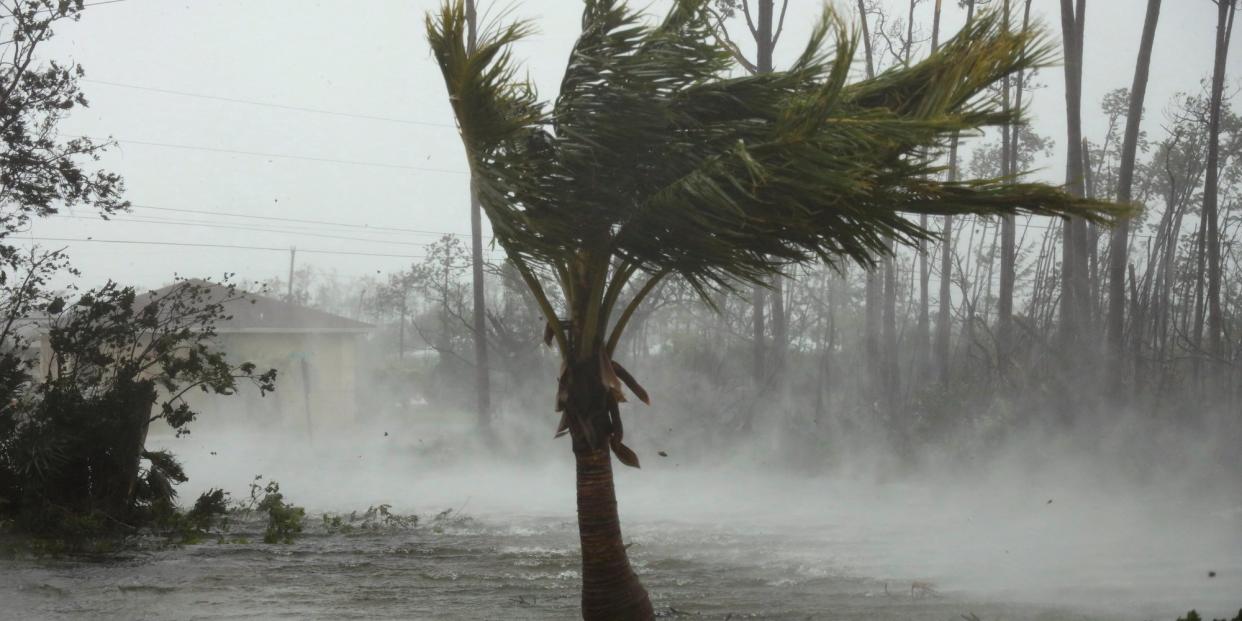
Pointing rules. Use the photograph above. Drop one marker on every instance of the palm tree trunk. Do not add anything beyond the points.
(610, 588)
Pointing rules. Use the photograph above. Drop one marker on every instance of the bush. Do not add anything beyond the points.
(1194, 616)
(378, 517)
(284, 520)
(72, 456)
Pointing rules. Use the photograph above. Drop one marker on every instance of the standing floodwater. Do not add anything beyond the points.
(749, 545)
(474, 569)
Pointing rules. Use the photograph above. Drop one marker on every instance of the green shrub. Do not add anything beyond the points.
(377, 517)
(284, 520)
(1194, 616)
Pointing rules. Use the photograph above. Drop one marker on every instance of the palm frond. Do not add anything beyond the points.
(659, 153)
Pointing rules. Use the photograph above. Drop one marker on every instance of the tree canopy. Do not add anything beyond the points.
(659, 153)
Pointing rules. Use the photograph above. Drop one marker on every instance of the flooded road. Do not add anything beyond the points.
(708, 544)
(473, 569)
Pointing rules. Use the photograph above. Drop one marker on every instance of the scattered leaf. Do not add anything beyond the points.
(631, 383)
(624, 454)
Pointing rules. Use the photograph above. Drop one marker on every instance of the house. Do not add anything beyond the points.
(314, 353)
(316, 357)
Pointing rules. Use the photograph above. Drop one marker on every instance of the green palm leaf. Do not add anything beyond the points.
(657, 152)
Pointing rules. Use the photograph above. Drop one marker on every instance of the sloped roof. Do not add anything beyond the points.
(259, 313)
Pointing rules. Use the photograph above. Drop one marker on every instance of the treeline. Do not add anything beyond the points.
(997, 324)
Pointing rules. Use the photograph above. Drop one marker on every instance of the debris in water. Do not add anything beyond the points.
(662, 454)
(918, 588)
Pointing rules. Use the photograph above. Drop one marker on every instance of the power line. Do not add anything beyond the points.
(230, 246)
(261, 229)
(264, 104)
(101, 2)
(244, 228)
(301, 221)
(306, 158)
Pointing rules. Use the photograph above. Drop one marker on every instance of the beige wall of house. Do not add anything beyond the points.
(316, 385)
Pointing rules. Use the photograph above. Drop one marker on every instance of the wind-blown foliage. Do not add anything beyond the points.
(72, 442)
(660, 156)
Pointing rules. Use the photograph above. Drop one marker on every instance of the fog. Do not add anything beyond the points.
(960, 429)
(1128, 529)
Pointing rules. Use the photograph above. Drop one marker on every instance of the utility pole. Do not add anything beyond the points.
(293, 251)
(482, 380)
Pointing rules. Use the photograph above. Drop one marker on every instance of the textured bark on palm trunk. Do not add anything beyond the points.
(610, 588)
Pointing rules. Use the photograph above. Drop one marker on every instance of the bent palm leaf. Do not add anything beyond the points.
(660, 158)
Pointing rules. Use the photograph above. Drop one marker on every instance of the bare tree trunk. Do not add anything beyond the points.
(482, 377)
(1004, 305)
(1089, 245)
(871, 327)
(891, 373)
(1196, 322)
(1224, 31)
(944, 312)
(871, 330)
(944, 315)
(401, 328)
(1119, 243)
(760, 353)
(137, 399)
(765, 45)
(866, 38)
(780, 324)
(1073, 256)
(893, 368)
(922, 339)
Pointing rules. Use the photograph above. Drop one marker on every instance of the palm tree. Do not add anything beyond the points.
(658, 159)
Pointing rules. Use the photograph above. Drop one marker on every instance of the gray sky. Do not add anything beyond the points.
(369, 58)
